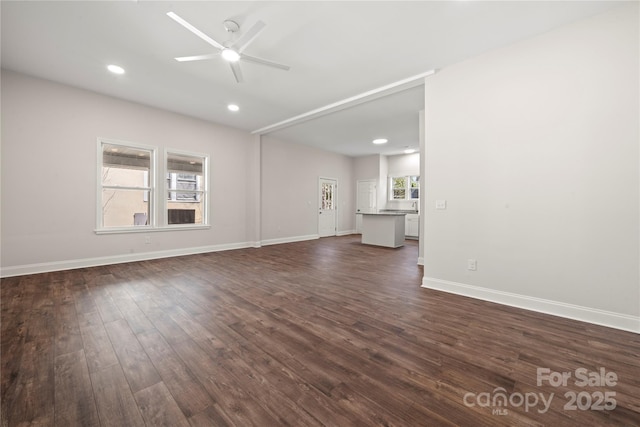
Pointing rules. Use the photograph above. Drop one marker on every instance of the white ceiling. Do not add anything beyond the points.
(335, 50)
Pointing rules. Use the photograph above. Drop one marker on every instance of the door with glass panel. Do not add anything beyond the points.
(327, 208)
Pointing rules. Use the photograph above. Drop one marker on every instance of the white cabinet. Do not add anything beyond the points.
(383, 230)
(412, 225)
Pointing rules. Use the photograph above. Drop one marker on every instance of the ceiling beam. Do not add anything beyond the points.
(367, 96)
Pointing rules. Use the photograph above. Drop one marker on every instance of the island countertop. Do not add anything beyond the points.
(383, 213)
(391, 212)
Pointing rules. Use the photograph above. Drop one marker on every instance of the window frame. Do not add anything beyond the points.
(157, 188)
(204, 191)
(151, 187)
(407, 187)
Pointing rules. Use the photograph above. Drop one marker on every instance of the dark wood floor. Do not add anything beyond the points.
(324, 332)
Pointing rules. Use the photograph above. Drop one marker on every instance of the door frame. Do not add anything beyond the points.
(335, 199)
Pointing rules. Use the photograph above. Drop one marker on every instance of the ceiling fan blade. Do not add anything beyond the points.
(264, 62)
(194, 30)
(196, 57)
(235, 67)
(244, 40)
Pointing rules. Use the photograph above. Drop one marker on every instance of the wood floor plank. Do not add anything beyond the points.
(15, 308)
(211, 416)
(159, 408)
(114, 400)
(323, 332)
(188, 392)
(68, 338)
(74, 400)
(235, 401)
(135, 363)
(97, 346)
(32, 400)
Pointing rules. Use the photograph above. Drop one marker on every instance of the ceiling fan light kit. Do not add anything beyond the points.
(115, 69)
(231, 51)
(230, 55)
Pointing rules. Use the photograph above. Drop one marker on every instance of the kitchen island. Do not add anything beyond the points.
(383, 229)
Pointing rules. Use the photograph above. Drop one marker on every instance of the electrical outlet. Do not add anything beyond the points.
(472, 264)
(441, 204)
(147, 240)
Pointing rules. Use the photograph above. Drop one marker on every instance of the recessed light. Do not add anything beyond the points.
(230, 55)
(115, 69)
(233, 107)
(380, 141)
(409, 151)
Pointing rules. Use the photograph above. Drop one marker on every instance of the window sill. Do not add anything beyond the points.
(149, 229)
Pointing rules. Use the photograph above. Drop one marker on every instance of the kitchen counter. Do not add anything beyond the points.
(383, 228)
(385, 213)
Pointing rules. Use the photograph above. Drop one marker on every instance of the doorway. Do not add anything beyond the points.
(327, 207)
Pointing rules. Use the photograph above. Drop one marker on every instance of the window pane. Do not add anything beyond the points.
(186, 212)
(186, 190)
(124, 177)
(125, 187)
(415, 193)
(125, 208)
(125, 157)
(327, 196)
(179, 181)
(399, 182)
(185, 164)
(399, 193)
(414, 181)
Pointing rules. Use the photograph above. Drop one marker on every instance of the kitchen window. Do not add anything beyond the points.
(404, 187)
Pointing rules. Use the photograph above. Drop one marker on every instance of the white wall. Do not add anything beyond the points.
(261, 191)
(367, 167)
(49, 155)
(290, 198)
(535, 147)
(404, 164)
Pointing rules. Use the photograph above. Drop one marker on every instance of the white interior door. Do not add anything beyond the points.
(366, 199)
(367, 196)
(327, 208)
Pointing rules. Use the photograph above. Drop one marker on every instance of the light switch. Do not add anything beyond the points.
(441, 204)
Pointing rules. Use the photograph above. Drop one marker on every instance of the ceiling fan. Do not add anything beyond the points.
(232, 51)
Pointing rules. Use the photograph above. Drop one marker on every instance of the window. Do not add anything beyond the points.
(414, 187)
(327, 201)
(127, 197)
(399, 188)
(126, 185)
(186, 189)
(404, 187)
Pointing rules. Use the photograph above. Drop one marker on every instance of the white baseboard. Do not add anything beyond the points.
(345, 232)
(47, 267)
(585, 314)
(420, 261)
(116, 259)
(289, 239)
